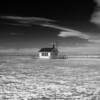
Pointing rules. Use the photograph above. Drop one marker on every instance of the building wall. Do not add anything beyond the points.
(45, 57)
(54, 53)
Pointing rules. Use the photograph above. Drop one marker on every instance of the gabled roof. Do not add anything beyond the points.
(46, 49)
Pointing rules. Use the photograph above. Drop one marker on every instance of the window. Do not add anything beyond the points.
(44, 54)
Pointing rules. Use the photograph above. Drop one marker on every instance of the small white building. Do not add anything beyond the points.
(48, 53)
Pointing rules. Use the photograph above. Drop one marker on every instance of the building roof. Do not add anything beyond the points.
(46, 49)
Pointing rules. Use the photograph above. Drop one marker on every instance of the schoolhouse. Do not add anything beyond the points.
(48, 53)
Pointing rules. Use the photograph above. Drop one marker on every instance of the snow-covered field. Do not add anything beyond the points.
(24, 78)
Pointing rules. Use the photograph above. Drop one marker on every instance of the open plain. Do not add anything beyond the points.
(25, 78)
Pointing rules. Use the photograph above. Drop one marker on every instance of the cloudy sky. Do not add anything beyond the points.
(75, 23)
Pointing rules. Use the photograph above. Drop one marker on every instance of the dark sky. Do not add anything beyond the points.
(74, 14)
(60, 10)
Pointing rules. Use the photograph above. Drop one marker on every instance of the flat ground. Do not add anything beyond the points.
(24, 78)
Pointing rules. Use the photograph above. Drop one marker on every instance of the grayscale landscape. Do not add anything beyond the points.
(25, 78)
(50, 50)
